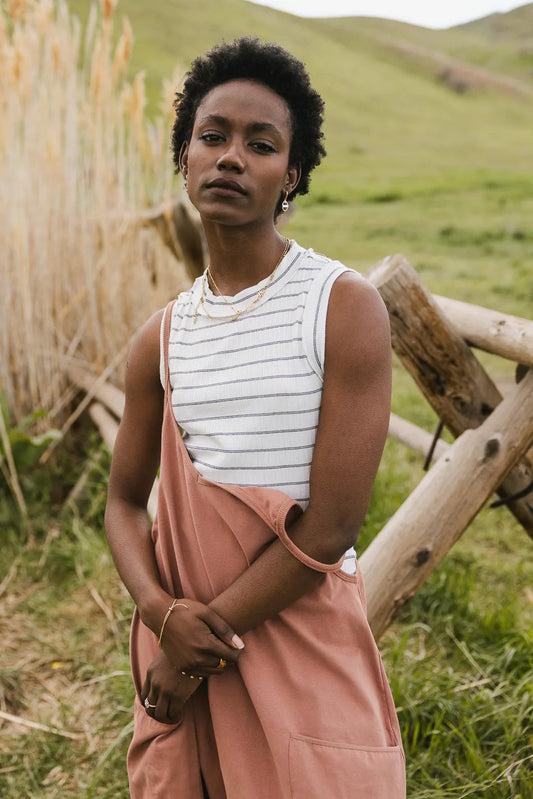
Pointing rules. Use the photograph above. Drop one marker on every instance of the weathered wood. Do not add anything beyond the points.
(178, 223)
(413, 436)
(108, 429)
(430, 521)
(508, 336)
(107, 425)
(180, 228)
(106, 393)
(445, 369)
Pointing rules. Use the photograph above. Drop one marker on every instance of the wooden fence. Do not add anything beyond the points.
(433, 337)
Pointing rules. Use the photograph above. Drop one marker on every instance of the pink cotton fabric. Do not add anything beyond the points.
(307, 713)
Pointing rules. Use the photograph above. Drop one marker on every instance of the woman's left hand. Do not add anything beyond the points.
(197, 640)
(166, 691)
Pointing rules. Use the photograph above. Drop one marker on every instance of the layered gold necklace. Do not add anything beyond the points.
(236, 312)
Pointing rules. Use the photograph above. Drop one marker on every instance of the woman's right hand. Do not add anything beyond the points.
(165, 691)
(197, 641)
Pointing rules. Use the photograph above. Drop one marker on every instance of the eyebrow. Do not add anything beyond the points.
(256, 127)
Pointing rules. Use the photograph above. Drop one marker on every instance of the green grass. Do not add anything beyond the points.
(459, 657)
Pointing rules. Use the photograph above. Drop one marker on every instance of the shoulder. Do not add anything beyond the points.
(142, 368)
(357, 323)
(354, 296)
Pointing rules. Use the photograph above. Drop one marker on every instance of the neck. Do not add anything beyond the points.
(240, 259)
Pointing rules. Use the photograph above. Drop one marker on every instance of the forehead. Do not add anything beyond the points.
(246, 101)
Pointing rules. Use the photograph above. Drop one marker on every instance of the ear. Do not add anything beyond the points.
(183, 160)
(293, 178)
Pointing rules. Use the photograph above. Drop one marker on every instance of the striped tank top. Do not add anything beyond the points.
(247, 392)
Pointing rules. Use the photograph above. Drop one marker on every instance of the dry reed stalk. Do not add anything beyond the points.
(78, 160)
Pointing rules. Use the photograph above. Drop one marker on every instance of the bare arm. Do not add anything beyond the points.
(135, 462)
(351, 434)
(134, 466)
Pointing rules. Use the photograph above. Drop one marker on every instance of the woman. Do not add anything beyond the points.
(256, 673)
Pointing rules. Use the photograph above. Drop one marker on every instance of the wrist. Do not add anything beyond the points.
(152, 609)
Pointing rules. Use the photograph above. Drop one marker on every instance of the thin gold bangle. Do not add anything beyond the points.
(175, 604)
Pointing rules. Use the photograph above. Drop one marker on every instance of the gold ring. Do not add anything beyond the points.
(222, 663)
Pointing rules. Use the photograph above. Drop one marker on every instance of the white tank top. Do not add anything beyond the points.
(247, 392)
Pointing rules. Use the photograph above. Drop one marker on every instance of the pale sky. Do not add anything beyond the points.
(429, 13)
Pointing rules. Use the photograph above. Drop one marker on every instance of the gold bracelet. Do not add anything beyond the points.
(169, 611)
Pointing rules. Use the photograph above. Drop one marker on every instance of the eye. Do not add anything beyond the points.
(263, 147)
(211, 137)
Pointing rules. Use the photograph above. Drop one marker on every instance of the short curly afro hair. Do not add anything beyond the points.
(271, 65)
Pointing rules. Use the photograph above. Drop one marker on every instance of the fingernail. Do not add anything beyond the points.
(237, 642)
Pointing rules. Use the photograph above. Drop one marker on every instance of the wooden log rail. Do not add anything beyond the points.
(433, 517)
(445, 369)
(502, 334)
(415, 437)
(106, 410)
(431, 337)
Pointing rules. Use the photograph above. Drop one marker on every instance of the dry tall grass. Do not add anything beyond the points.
(78, 160)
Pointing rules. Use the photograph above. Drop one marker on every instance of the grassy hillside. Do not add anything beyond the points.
(514, 26)
(500, 43)
(412, 165)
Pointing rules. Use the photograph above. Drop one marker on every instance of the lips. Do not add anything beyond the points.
(229, 186)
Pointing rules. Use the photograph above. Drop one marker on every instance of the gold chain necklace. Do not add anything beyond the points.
(238, 312)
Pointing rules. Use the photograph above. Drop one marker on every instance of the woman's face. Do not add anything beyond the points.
(237, 160)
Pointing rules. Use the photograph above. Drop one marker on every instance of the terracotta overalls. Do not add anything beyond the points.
(307, 713)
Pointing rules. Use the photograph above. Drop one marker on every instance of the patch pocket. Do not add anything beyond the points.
(319, 769)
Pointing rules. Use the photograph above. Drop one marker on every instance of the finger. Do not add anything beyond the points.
(221, 628)
(205, 660)
(145, 690)
(175, 712)
(150, 707)
(217, 666)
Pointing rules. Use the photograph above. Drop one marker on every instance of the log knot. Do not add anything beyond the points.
(492, 446)
(422, 556)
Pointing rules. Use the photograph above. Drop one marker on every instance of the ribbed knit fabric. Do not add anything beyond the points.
(247, 392)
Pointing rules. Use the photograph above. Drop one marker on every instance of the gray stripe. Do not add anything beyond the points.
(262, 377)
(239, 365)
(239, 349)
(254, 397)
(294, 282)
(253, 468)
(319, 305)
(234, 335)
(281, 486)
(256, 315)
(193, 448)
(248, 432)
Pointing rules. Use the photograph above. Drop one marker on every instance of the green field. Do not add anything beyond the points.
(413, 166)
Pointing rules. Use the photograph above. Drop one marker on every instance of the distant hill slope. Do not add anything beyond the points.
(500, 45)
(513, 26)
(390, 111)
(417, 163)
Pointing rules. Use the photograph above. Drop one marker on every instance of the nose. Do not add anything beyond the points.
(232, 158)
